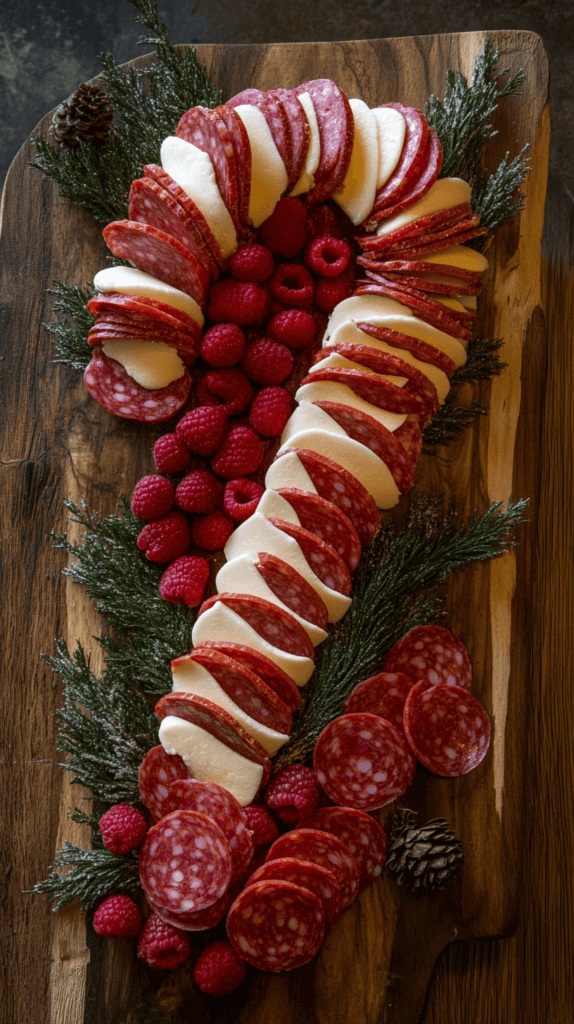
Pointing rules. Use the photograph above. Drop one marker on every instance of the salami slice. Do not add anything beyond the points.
(437, 308)
(373, 435)
(336, 135)
(102, 336)
(316, 879)
(425, 226)
(361, 833)
(141, 308)
(439, 318)
(458, 235)
(270, 673)
(433, 653)
(185, 862)
(327, 522)
(292, 589)
(279, 125)
(371, 387)
(151, 204)
(447, 728)
(434, 284)
(205, 129)
(276, 926)
(160, 255)
(118, 393)
(193, 921)
(410, 436)
(322, 558)
(210, 253)
(300, 132)
(220, 806)
(324, 849)
(384, 695)
(362, 761)
(157, 772)
(386, 363)
(421, 349)
(242, 151)
(411, 159)
(430, 170)
(275, 625)
(472, 278)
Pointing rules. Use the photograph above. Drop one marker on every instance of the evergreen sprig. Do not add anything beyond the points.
(397, 586)
(95, 874)
(71, 342)
(450, 419)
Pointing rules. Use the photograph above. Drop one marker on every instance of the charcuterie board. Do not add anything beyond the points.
(377, 963)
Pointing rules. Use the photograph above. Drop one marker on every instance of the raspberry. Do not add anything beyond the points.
(284, 231)
(238, 302)
(170, 454)
(329, 292)
(267, 362)
(328, 220)
(251, 262)
(241, 498)
(184, 581)
(293, 793)
(219, 970)
(292, 327)
(212, 532)
(262, 824)
(118, 917)
(292, 285)
(327, 256)
(162, 946)
(165, 538)
(199, 492)
(223, 345)
(228, 389)
(270, 411)
(203, 429)
(153, 496)
(240, 454)
(122, 828)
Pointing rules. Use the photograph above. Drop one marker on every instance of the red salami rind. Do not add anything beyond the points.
(336, 133)
(157, 772)
(244, 687)
(433, 653)
(420, 349)
(436, 318)
(362, 761)
(362, 834)
(447, 728)
(411, 159)
(210, 254)
(279, 125)
(384, 695)
(300, 132)
(276, 926)
(292, 589)
(205, 129)
(327, 565)
(242, 152)
(327, 522)
(118, 393)
(194, 921)
(185, 862)
(273, 676)
(158, 254)
(373, 435)
(314, 877)
(385, 362)
(220, 806)
(410, 436)
(275, 625)
(217, 722)
(324, 849)
(431, 166)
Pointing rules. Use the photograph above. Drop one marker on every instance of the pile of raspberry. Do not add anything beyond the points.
(269, 305)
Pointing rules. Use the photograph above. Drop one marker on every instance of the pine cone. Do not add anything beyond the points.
(85, 116)
(426, 856)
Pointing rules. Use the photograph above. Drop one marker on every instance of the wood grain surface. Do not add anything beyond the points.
(375, 966)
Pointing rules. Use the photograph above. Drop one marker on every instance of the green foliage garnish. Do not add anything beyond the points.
(450, 420)
(96, 873)
(71, 342)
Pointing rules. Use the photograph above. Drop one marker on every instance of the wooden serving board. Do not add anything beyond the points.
(376, 964)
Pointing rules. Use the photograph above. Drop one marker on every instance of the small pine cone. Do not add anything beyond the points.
(423, 857)
(86, 116)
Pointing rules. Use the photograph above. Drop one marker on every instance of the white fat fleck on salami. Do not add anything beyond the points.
(447, 728)
(383, 695)
(265, 918)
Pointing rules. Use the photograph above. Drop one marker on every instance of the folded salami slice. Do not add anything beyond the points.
(384, 695)
(462, 232)
(276, 926)
(424, 226)
(447, 728)
(220, 806)
(439, 318)
(373, 388)
(361, 833)
(429, 172)
(386, 363)
(412, 158)
(300, 132)
(102, 335)
(410, 436)
(279, 125)
(185, 862)
(160, 255)
(194, 921)
(205, 129)
(140, 307)
(157, 772)
(209, 253)
(438, 308)
(435, 284)
(433, 653)
(118, 393)
(327, 522)
(423, 351)
(322, 558)
(149, 203)
(374, 435)
(276, 626)
(336, 133)
(242, 152)
(324, 849)
(270, 673)
(292, 589)
(318, 880)
(362, 761)
(472, 278)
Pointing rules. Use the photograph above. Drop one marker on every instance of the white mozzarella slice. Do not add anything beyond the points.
(330, 391)
(444, 194)
(415, 328)
(308, 417)
(288, 471)
(131, 281)
(191, 677)
(221, 623)
(349, 334)
(363, 307)
(451, 302)
(334, 359)
(152, 364)
(357, 193)
(461, 256)
(240, 576)
(210, 760)
(258, 534)
(364, 465)
(391, 130)
(269, 177)
(307, 179)
(273, 504)
(468, 301)
(193, 171)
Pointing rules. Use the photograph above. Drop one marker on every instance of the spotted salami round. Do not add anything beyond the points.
(292, 589)
(326, 521)
(420, 349)
(324, 849)
(361, 833)
(336, 133)
(194, 921)
(160, 255)
(210, 254)
(322, 558)
(447, 728)
(276, 925)
(220, 806)
(205, 129)
(118, 393)
(275, 625)
(316, 879)
(157, 772)
(274, 677)
(384, 695)
(433, 653)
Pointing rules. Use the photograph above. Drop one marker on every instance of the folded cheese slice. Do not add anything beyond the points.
(210, 760)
